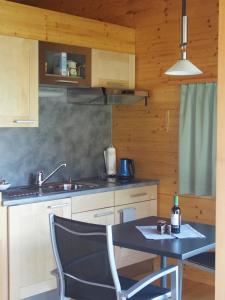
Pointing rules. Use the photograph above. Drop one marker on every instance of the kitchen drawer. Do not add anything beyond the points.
(92, 201)
(135, 195)
(103, 216)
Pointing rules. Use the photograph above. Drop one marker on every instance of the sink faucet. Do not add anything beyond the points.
(40, 174)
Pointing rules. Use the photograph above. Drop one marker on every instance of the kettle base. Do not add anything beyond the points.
(121, 177)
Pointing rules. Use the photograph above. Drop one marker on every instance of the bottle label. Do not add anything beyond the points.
(175, 219)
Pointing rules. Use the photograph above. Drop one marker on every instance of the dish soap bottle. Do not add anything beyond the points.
(175, 215)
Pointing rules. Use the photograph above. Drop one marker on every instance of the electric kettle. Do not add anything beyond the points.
(126, 168)
(110, 161)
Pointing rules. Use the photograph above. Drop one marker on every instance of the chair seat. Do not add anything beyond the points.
(206, 259)
(149, 292)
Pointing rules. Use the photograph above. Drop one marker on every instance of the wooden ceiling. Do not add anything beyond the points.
(120, 12)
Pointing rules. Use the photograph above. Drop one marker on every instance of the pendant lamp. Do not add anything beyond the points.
(183, 67)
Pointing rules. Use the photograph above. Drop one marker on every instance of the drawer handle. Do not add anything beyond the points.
(58, 206)
(105, 213)
(67, 81)
(138, 195)
(24, 121)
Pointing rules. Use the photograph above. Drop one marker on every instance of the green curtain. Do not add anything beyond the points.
(197, 139)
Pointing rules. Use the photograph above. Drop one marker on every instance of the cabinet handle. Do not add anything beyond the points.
(105, 213)
(138, 195)
(24, 121)
(58, 206)
(67, 81)
(121, 213)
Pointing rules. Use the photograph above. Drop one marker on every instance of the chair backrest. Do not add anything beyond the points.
(84, 258)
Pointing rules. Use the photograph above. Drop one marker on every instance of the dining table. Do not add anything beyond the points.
(128, 236)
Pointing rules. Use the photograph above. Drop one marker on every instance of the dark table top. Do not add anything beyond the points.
(126, 235)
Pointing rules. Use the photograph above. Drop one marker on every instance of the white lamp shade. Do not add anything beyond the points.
(183, 67)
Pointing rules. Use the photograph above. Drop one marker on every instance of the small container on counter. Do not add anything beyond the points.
(161, 226)
(68, 186)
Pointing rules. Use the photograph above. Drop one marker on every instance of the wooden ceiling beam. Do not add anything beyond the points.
(45, 25)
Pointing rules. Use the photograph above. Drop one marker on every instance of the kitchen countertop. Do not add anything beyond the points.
(100, 186)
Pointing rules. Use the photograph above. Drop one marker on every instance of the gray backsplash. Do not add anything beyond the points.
(75, 134)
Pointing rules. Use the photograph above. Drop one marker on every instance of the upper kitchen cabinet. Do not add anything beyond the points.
(18, 82)
(113, 69)
(63, 64)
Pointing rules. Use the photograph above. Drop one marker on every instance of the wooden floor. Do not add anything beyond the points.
(197, 291)
(192, 290)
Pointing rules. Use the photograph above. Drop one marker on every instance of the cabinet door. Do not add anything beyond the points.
(62, 64)
(113, 69)
(103, 216)
(125, 256)
(30, 253)
(18, 82)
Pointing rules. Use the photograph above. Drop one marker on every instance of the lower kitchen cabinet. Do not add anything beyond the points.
(30, 253)
(106, 209)
(30, 256)
(94, 208)
(90, 202)
(103, 216)
(125, 257)
(134, 195)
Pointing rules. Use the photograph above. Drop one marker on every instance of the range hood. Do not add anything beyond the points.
(94, 96)
(105, 96)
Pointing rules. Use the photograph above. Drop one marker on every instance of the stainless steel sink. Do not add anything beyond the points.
(65, 187)
(50, 188)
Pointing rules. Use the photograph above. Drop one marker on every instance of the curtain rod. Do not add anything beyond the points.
(194, 80)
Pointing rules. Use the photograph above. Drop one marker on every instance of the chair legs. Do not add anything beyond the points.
(61, 296)
(174, 285)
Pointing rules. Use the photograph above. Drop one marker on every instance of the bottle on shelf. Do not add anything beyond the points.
(175, 215)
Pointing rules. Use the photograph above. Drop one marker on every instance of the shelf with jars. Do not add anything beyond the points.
(85, 67)
(64, 64)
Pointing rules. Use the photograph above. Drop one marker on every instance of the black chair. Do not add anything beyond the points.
(204, 261)
(86, 266)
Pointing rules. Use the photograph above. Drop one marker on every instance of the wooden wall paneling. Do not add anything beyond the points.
(143, 133)
(157, 48)
(220, 190)
(158, 39)
(35, 23)
(194, 209)
(150, 143)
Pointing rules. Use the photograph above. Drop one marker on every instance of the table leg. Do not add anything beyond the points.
(180, 279)
(163, 265)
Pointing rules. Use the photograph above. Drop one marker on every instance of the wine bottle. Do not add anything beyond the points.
(175, 215)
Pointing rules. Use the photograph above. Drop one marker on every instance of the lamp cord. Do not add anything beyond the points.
(183, 8)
